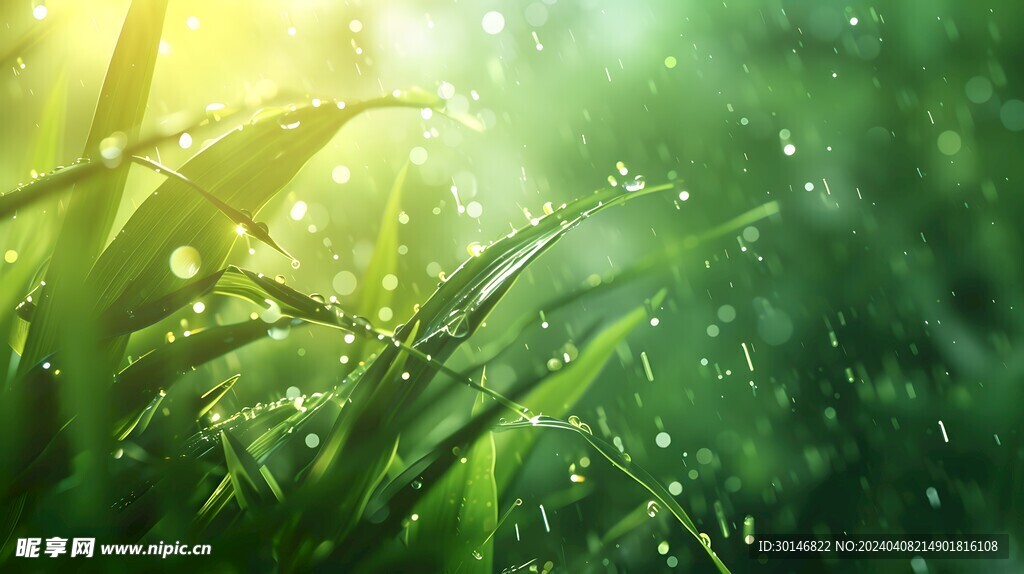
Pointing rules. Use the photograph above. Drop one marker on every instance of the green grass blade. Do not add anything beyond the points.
(623, 462)
(31, 235)
(272, 439)
(250, 486)
(243, 223)
(557, 393)
(384, 262)
(264, 155)
(93, 205)
(458, 515)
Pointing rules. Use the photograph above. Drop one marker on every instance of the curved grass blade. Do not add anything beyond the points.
(264, 156)
(470, 292)
(268, 442)
(82, 168)
(558, 392)
(210, 398)
(47, 184)
(458, 516)
(138, 424)
(654, 264)
(244, 224)
(449, 316)
(90, 215)
(250, 485)
(140, 381)
(32, 235)
(623, 462)
(384, 261)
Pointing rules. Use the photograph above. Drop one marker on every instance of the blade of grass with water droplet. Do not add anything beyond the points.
(243, 222)
(93, 204)
(63, 317)
(264, 155)
(31, 234)
(558, 392)
(457, 515)
(269, 441)
(631, 469)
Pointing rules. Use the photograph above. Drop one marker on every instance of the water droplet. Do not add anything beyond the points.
(636, 184)
(705, 539)
(493, 22)
(112, 146)
(185, 262)
(344, 283)
(457, 326)
(416, 484)
(341, 174)
(653, 508)
(279, 333)
(418, 155)
(576, 422)
(663, 439)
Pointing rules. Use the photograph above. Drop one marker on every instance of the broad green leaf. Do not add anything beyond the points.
(264, 155)
(244, 225)
(61, 177)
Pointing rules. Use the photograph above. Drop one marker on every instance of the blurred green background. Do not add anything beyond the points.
(882, 299)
